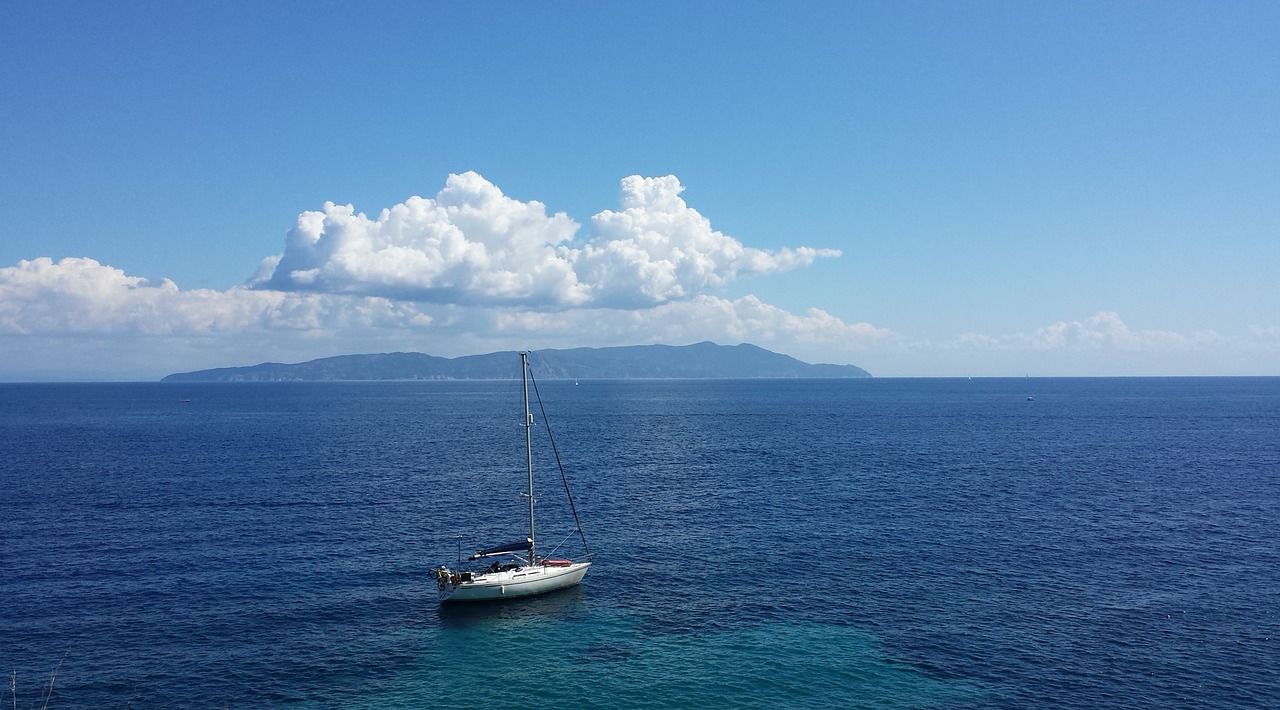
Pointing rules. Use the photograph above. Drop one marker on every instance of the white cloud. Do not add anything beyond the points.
(1103, 330)
(745, 319)
(79, 316)
(1100, 345)
(658, 249)
(1266, 333)
(472, 245)
(472, 270)
(468, 270)
(146, 329)
(81, 296)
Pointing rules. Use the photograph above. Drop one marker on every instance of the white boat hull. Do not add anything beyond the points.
(510, 584)
(529, 574)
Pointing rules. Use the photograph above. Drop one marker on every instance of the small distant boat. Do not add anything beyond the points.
(523, 573)
(1031, 399)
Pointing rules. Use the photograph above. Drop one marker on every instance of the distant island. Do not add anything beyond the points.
(700, 361)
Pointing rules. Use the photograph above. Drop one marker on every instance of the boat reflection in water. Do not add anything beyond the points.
(556, 605)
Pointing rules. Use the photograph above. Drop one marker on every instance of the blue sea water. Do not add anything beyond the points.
(862, 543)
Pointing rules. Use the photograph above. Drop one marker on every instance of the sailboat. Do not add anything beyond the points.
(517, 569)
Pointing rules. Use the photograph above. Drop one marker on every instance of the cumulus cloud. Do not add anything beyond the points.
(658, 249)
(473, 245)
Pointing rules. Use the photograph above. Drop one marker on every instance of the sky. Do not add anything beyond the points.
(922, 189)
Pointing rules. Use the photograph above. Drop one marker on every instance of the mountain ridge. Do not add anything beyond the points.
(704, 360)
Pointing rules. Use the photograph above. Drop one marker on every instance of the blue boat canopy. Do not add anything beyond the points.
(509, 548)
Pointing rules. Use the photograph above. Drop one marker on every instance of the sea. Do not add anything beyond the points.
(863, 543)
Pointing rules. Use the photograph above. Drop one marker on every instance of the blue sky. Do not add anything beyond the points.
(921, 189)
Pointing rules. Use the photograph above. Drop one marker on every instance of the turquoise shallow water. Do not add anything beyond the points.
(606, 662)
(875, 543)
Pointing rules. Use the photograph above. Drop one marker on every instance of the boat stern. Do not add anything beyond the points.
(449, 581)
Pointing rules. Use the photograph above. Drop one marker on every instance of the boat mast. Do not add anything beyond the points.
(528, 447)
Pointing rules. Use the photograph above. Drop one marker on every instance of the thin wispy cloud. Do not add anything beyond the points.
(1102, 330)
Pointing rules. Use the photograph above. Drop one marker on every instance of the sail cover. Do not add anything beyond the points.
(507, 549)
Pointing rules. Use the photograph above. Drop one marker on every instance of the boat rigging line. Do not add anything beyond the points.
(563, 478)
